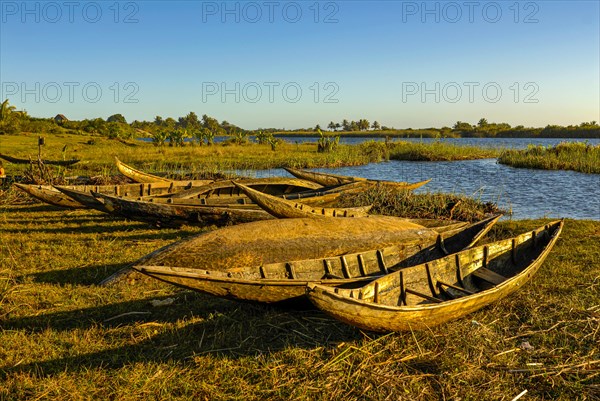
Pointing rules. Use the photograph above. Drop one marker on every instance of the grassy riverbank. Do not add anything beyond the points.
(64, 338)
(438, 151)
(391, 202)
(577, 156)
(97, 154)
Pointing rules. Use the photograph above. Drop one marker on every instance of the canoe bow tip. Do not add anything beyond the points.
(495, 217)
(137, 268)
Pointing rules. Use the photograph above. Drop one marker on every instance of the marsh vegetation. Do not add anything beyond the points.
(577, 156)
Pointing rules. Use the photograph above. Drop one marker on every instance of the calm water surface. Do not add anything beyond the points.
(507, 143)
(526, 193)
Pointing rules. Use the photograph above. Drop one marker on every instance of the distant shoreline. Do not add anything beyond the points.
(429, 134)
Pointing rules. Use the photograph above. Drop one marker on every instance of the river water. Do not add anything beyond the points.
(525, 193)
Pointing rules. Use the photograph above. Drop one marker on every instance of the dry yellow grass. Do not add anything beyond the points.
(62, 337)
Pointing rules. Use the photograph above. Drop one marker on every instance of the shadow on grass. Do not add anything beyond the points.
(61, 219)
(85, 275)
(139, 311)
(237, 330)
(151, 233)
(33, 208)
(91, 229)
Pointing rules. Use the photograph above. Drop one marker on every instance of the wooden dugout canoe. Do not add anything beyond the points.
(334, 179)
(322, 196)
(271, 185)
(173, 215)
(430, 294)
(48, 194)
(16, 160)
(137, 175)
(283, 208)
(83, 193)
(283, 278)
(246, 203)
(152, 192)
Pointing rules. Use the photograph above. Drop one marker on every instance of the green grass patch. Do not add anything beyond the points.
(438, 151)
(391, 202)
(62, 337)
(577, 156)
(97, 155)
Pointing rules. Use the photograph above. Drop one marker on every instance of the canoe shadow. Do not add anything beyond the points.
(86, 275)
(32, 208)
(131, 231)
(224, 329)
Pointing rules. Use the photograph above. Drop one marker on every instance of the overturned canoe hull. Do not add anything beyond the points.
(16, 160)
(270, 271)
(449, 288)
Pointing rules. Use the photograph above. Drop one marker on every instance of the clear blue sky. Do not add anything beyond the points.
(402, 63)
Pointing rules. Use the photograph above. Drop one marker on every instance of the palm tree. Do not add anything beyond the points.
(6, 110)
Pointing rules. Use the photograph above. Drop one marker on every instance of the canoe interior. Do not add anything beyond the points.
(169, 215)
(459, 275)
(272, 186)
(323, 197)
(140, 189)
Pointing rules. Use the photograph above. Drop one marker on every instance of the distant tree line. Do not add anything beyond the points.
(350, 126)
(204, 130)
(484, 129)
(115, 126)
